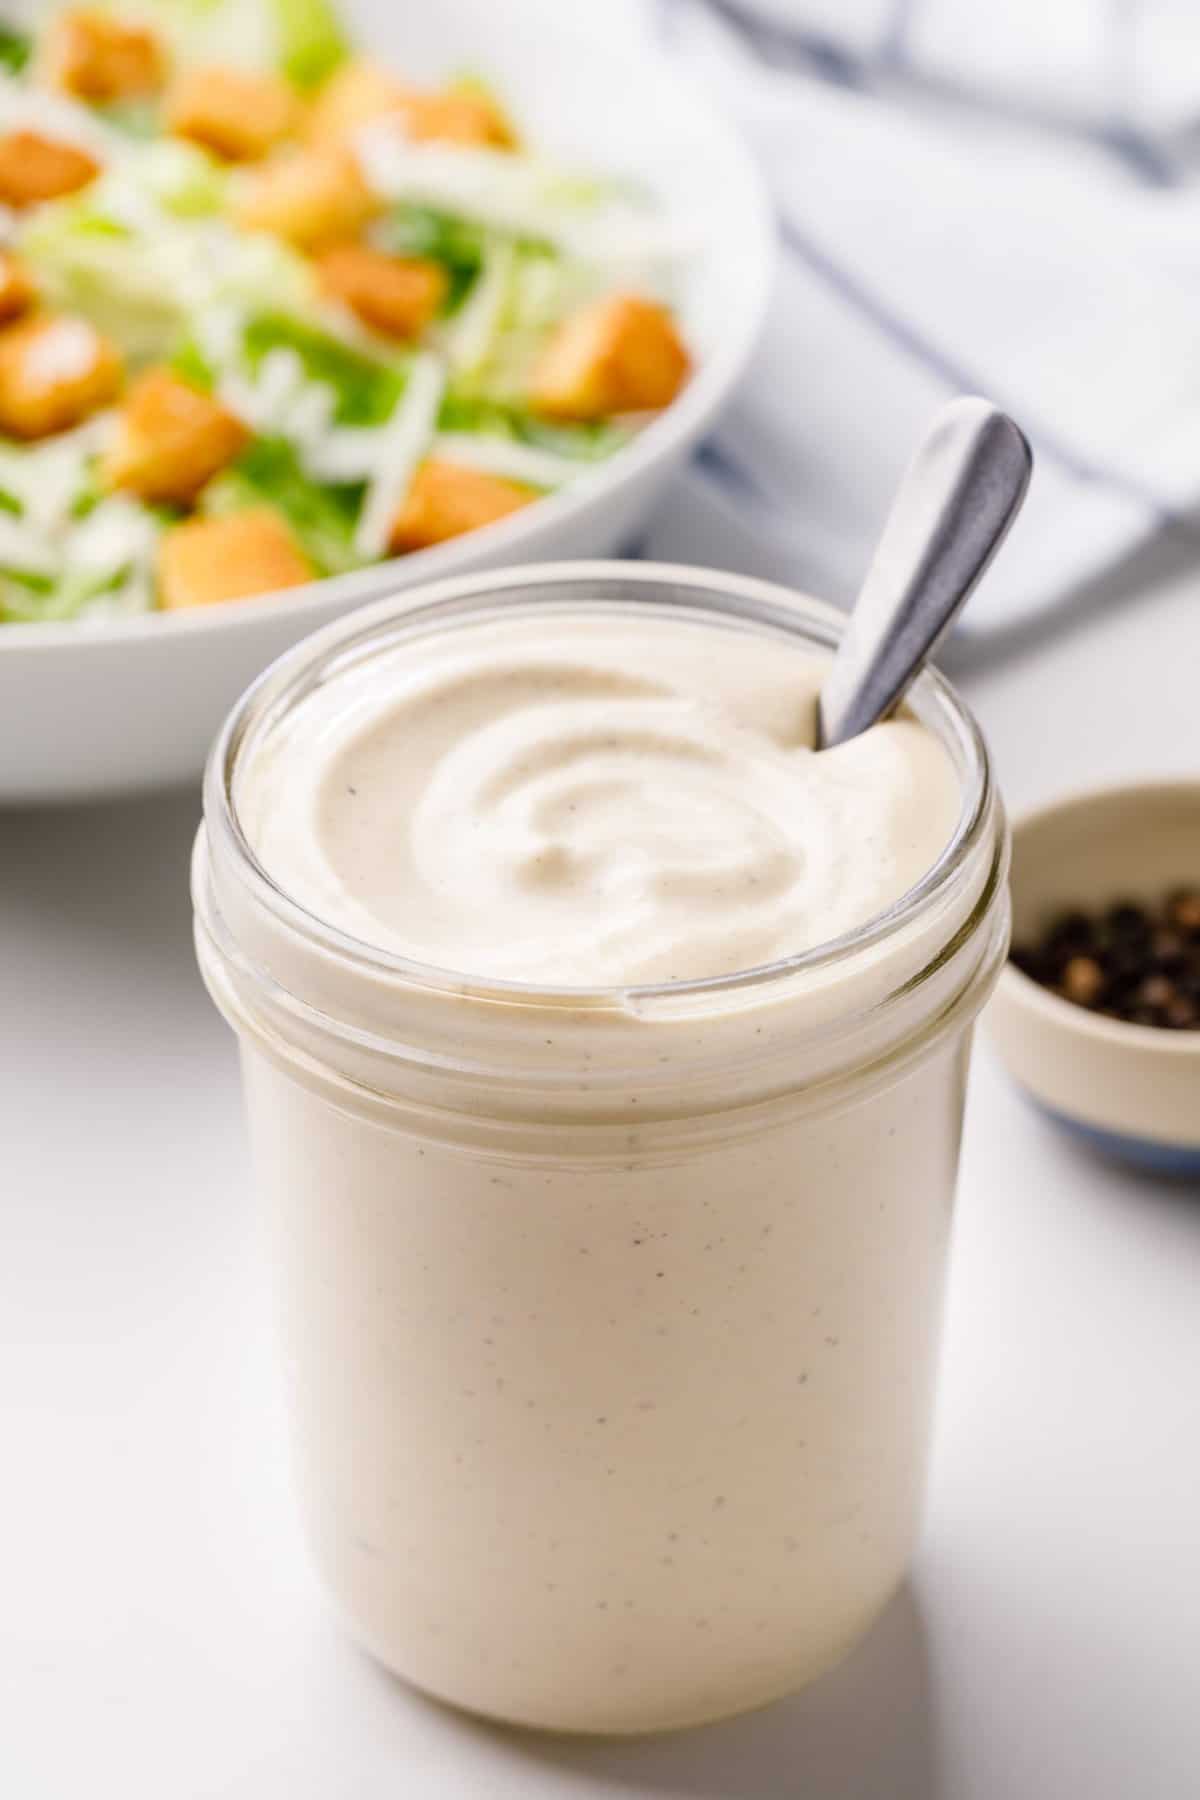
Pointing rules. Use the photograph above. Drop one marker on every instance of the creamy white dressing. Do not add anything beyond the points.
(593, 802)
(611, 1317)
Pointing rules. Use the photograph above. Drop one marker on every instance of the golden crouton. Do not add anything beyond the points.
(446, 499)
(311, 198)
(456, 118)
(362, 90)
(17, 291)
(232, 112)
(357, 91)
(99, 60)
(54, 371)
(172, 439)
(33, 168)
(621, 354)
(232, 557)
(398, 295)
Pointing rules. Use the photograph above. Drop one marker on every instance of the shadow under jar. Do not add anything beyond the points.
(611, 1316)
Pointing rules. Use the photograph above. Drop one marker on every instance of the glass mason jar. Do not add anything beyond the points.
(611, 1317)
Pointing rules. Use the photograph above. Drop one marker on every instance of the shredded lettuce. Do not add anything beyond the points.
(474, 333)
(254, 273)
(119, 593)
(311, 41)
(30, 599)
(68, 550)
(579, 215)
(301, 39)
(91, 263)
(492, 188)
(542, 289)
(366, 389)
(27, 599)
(15, 48)
(181, 178)
(189, 360)
(592, 442)
(44, 481)
(25, 106)
(509, 458)
(458, 245)
(139, 118)
(339, 416)
(25, 553)
(152, 187)
(403, 442)
(142, 275)
(464, 412)
(521, 294)
(322, 517)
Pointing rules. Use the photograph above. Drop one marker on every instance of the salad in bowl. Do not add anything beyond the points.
(271, 310)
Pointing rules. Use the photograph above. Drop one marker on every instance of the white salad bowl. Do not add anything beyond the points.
(89, 709)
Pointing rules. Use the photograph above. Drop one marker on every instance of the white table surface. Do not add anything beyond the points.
(161, 1637)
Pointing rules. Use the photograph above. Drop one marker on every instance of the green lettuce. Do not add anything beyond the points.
(523, 290)
(457, 244)
(301, 39)
(590, 442)
(190, 363)
(144, 287)
(322, 517)
(94, 265)
(311, 40)
(140, 118)
(15, 48)
(27, 598)
(366, 388)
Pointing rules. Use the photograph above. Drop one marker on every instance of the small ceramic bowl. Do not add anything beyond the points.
(1132, 1091)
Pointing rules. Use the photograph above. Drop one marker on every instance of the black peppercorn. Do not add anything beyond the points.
(1083, 980)
(1183, 908)
(1132, 961)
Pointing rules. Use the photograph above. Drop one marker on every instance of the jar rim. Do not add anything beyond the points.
(742, 601)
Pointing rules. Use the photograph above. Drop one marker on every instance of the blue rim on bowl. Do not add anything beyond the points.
(1128, 1091)
(1140, 1153)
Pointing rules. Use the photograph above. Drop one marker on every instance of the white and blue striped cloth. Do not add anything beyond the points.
(996, 198)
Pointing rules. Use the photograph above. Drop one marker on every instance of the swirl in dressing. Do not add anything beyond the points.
(592, 801)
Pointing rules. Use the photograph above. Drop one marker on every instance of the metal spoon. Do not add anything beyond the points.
(959, 495)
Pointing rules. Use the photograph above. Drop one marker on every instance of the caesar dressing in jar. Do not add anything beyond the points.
(604, 1052)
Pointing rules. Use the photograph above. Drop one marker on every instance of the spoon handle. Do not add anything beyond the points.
(960, 494)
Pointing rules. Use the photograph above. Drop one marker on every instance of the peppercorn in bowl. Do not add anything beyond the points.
(1097, 1016)
(302, 305)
